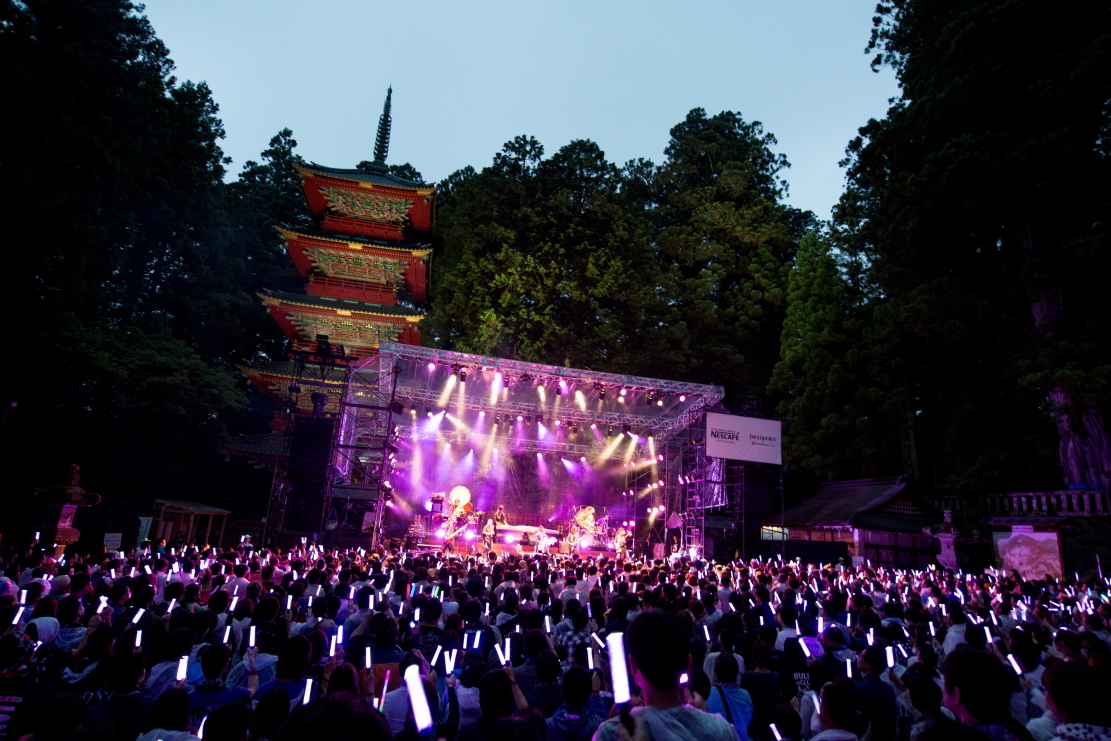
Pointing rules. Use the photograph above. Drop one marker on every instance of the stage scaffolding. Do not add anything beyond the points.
(566, 411)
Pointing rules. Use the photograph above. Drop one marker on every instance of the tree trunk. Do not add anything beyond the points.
(1083, 444)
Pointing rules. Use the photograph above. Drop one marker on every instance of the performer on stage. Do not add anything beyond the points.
(499, 516)
(488, 531)
(620, 542)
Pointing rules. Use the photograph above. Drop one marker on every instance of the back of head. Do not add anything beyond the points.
(293, 658)
(762, 654)
(214, 659)
(547, 667)
(60, 718)
(272, 710)
(659, 647)
(876, 659)
(725, 668)
(1078, 692)
(126, 673)
(171, 710)
(334, 719)
(576, 687)
(924, 693)
(839, 705)
(535, 642)
(984, 683)
(495, 695)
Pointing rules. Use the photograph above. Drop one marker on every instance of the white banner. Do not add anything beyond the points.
(744, 438)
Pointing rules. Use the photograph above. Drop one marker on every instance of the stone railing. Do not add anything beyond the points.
(1064, 503)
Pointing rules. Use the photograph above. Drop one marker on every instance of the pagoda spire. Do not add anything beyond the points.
(382, 141)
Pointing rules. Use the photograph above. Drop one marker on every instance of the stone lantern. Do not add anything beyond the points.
(60, 503)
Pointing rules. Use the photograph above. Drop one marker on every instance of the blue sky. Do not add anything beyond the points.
(469, 76)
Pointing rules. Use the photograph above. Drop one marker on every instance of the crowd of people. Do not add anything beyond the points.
(246, 644)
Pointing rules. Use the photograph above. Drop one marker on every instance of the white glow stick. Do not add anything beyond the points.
(1014, 664)
(465, 641)
(289, 603)
(805, 648)
(366, 661)
(18, 615)
(477, 640)
(182, 667)
(436, 655)
(598, 640)
(173, 603)
(890, 653)
(987, 634)
(590, 657)
(849, 667)
(227, 634)
(138, 638)
(200, 730)
(422, 716)
(547, 625)
(706, 630)
(501, 656)
(147, 569)
(231, 607)
(821, 626)
(103, 604)
(308, 691)
(933, 631)
(138, 616)
(449, 660)
(332, 648)
(775, 732)
(22, 596)
(619, 674)
(251, 638)
(871, 636)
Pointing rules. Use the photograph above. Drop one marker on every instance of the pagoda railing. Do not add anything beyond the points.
(1062, 503)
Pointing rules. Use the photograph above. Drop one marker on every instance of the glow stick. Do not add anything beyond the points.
(805, 648)
(598, 640)
(619, 674)
(22, 596)
(366, 660)
(547, 626)
(251, 638)
(332, 648)
(308, 691)
(138, 638)
(416, 614)
(103, 604)
(138, 616)
(501, 656)
(849, 667)
(775, 732)
(1014, 664)
(200, 730)
(683, 678)
(147, 569)
(890, 653)
(933, 631)
(289, 603)
(871, 636)
(231, 607)
(182, 667)
(987, 634)
(449, 660)
(706, 630)
(227, 634)
(436, 655)
(18, 615)
(173, 603)
(477, 640)
(821, 626)
(422, 716)
(465, 641)
(590, 657)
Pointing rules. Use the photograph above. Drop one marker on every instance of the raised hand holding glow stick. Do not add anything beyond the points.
(422, 716)
(619, 672)
(251, 638)
(182, 668)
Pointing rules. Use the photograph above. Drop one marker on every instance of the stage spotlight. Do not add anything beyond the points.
(661, 506)
(583, 459)
(623, 390)
(593, 426)
(431, 366)
(660, 457)
(558, 423)
(661, 482)
(520, 418)
(682, 397)
(659, 401)
(627, 429)
(462, 376)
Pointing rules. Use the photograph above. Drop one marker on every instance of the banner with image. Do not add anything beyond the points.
(744, 438)
(1031, 554)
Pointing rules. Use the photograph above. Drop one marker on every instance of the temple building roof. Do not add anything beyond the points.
(363, 176)
(304, 299)
(355, 240)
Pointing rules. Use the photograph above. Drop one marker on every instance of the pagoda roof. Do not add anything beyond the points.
(356, 241)
(363, 176)
(345, 304)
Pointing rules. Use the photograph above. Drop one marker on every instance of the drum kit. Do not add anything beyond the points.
(584, 530)
(462, 514)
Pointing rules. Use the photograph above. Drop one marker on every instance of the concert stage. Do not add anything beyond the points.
(543, 442)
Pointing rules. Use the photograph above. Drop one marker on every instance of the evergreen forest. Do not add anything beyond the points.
(948, 323)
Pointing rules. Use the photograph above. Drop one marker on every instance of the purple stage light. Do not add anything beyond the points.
(428, 505)
(520, 418)
(510, 539)
(431, 366)
(469, 535)
(682, 397)
(441, 533)
(583, 459)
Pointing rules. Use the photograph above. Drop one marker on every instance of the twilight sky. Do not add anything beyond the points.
(469, 76)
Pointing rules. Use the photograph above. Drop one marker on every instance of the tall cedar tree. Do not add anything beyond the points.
(983, 204)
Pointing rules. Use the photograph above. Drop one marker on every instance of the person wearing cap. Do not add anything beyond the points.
(59, 586)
